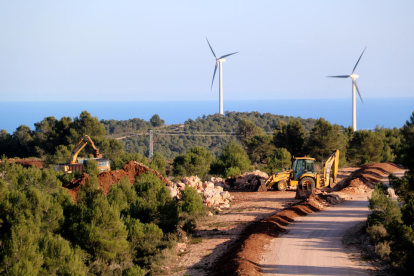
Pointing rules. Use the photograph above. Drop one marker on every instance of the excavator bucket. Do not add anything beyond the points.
(261, 186)
(303, 191)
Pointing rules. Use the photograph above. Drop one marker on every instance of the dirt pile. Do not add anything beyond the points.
(27, 162)
(132, 170)
(241, 258)
(249, 180)
(364, 179)
(212, 190)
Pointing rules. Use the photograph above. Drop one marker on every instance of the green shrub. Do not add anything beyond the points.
(154, 203)
(145, 240)
(377, 231)
(232, 172)
(133, 271)
(281, 159)
(383, 250)
(196, 161)
(91, 167)
(191, 201)
(159, 163)
(233, 156)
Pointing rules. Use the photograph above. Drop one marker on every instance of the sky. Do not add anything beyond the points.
(157, 50)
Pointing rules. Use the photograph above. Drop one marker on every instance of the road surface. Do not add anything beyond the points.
(313, 244)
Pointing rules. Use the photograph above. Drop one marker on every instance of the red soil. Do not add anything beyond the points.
(132, 170)
(241, 258)
(363, 180)
(27, 162)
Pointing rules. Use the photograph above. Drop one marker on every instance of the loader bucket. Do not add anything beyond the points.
(302, 192)
(261, 186)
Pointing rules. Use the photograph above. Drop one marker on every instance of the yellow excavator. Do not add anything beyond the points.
(303, 176)
(77, 164)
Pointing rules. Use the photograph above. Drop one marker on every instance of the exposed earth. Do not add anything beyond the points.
(233, 241)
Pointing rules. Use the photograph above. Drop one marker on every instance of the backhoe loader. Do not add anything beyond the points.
(77, 164)
(303, 176)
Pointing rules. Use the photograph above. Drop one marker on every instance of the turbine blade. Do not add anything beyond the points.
(358, 60)
(215, 69)
(343, 76)
(211, 49)
(356, 86)
(228, 55)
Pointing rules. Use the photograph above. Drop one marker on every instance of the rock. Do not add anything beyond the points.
(212, 190)
(249, 180)
(225, 195)
(181, 186)
(219, 189)
(173, 191)
(209, 202)
(208, 184)
(181, 247)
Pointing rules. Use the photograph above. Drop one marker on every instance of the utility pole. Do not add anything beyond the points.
(151, 145)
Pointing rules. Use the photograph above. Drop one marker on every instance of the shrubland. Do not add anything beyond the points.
(391, 224)
(127, 232)
(130, 230)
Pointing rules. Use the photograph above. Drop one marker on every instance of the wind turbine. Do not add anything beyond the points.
(353, 76)
(219, 60)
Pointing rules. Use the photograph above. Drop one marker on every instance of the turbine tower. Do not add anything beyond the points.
(219, 61)
(353, 76)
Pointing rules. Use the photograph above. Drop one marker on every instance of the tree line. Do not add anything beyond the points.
(254, 148)
(263, 141)
(211, 132)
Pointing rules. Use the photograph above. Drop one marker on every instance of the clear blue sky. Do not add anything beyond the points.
(156, 50)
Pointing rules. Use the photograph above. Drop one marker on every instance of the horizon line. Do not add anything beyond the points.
(264, 99)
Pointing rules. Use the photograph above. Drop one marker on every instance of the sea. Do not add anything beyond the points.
(382, 112)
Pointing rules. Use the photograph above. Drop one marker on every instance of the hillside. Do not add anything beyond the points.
(211, 132)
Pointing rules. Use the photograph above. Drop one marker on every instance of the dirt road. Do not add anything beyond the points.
(313, 244)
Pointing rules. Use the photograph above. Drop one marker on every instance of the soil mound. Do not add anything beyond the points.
(27, 163)
(132, 170)
(364, 179)
(238, 259)
(241, 258)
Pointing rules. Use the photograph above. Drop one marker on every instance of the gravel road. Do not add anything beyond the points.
(313, 244)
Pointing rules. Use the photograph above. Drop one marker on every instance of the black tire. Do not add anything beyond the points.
(282, 185)
(307, 183)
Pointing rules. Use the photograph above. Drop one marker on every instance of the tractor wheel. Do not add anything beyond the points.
(281, 185)
(307, 183)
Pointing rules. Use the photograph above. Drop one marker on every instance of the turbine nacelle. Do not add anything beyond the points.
(218, 59)
(353, 76)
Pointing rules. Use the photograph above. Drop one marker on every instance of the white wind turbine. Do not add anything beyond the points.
(354, 86)
(219, 61)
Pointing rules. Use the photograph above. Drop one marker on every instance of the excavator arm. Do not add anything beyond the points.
(82, 143)
(330, 169)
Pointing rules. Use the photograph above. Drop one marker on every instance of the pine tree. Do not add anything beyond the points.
(195, 161)
(324, 139)
(291, 136)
